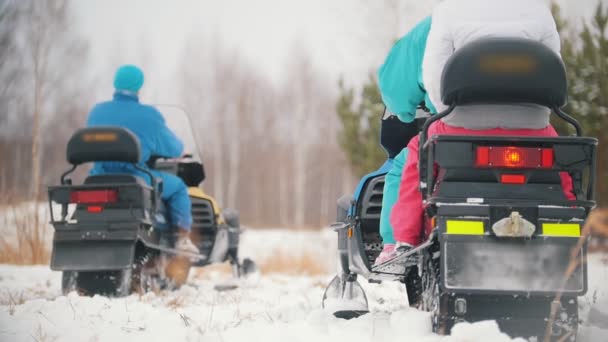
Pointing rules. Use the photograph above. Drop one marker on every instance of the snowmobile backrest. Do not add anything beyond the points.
(505, 70)
(103, 143)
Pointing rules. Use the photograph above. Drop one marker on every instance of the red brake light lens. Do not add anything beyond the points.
(94, 196)
(512, 179)
(95, 209)
(514, 157)
(547, 158)
(483, 156)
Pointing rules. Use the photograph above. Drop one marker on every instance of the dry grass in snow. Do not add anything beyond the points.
(25, 235)
(303, 263)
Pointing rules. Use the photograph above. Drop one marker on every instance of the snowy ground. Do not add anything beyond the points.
(273, 307)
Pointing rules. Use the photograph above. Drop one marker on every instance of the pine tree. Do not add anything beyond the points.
(585, 54)
(360, 134)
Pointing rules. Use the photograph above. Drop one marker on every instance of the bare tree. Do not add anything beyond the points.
(44, 47)
(51, 47)
(269, 148)
(9, 65)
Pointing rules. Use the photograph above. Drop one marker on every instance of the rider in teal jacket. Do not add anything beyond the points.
(402, 89)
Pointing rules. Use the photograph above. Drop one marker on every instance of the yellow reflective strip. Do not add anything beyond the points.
(465, 227)
(100, 137)
(562, 229)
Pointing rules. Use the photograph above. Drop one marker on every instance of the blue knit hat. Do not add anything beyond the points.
(129, 77)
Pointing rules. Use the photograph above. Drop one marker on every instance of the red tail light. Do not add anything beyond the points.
(547, 158)
(95, 209)
(512, 179)
(514, 157)
(94, 196)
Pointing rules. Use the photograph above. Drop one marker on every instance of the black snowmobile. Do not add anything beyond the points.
(112, 236)
(505, 244)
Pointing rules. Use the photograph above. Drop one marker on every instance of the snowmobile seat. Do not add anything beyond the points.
(118, 178)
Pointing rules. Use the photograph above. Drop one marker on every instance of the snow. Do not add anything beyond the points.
(272, 307)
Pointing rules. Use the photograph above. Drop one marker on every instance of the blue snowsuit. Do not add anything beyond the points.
(156, 139)
(402, 89)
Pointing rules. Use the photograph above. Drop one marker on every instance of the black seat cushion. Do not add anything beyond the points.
(491, 176)
(115, 178)
(540, 185)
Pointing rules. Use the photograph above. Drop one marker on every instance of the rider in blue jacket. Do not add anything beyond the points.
(402, 89)
(155, 138)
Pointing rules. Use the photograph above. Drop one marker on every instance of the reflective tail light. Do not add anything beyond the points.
(95, 209)
(514, 157)
(512, 179)
(94, 196)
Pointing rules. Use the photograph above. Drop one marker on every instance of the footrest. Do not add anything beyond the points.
(398, 265)
(350, 314)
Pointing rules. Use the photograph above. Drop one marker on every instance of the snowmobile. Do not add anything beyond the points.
(502, 241)
(111, 232)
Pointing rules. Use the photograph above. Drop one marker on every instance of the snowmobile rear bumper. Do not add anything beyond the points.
(97, 247)
(494, 266)
(476, 261)
(92, 255)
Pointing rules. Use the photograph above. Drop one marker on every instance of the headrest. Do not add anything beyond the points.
(505, 70)
(103, 143)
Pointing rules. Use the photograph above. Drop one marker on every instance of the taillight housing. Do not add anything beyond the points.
(94, 196)
(514, 157)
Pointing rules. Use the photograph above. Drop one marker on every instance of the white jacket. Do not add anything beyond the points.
(456, 23)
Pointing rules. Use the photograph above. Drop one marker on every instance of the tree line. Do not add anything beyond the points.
(269, 149)
(279, 152)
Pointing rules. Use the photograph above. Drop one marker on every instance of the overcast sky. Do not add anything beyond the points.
(343, 37)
